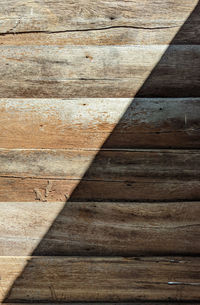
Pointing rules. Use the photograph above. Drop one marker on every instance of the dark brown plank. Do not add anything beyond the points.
(100, 279)
(125, 229)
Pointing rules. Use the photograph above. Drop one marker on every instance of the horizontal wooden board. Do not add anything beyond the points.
(100, 71)
(57, 175)
(103, 165)
(100, 123)
(109, 36)
(126, 229)
(120, 23)
(99, 279)
(148, 189)
(61, 15)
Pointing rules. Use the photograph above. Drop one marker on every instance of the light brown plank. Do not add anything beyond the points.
(26, 16)
(99, 71)
(100, 279)
(96, 123)
(126, 229)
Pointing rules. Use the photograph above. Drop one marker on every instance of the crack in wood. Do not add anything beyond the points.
(87, 30)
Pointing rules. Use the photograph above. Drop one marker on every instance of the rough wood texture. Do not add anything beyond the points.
(148, 189)
(94, 71)
(104, 165)
(96, 123)
(23, 16)
(126, 229)
(109, 36)
(100, 279)
(57, 175)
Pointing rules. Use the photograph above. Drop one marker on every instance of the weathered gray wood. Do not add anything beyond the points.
(96, 123)
(23, 16)
(99, 279)
(99, 71)
(99, 228)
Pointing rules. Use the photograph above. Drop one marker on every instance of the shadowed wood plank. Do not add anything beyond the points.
(105, 175)
(91, 123)
(142, 189)
(99, 228)
(100, 279)
(103, 165)
(99, 71)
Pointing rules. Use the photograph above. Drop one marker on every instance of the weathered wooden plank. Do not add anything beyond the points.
(104, 165)
(142, 189)
(57, 175)
(95, 123)
(99, 279)
(188, 34)
(47, 16)
(125, 229)
(99, 71)
(174, 22)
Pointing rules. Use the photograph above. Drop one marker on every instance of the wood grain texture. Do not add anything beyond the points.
(23, 16)
(105, 229)
(96, 123)
(57, 175)
(99, 71)
(109, 36)
(104, 165)
(100, 279)
(142, 189)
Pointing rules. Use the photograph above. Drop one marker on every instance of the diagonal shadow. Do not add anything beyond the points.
(160, 83)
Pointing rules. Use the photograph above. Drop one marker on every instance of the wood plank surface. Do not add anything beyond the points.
(23, 16)
(103, 165)
(99, 279)
(58, 175)
(105, 229)
(141, 189)
(109, 36)
(100, 71)
(96, 123)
